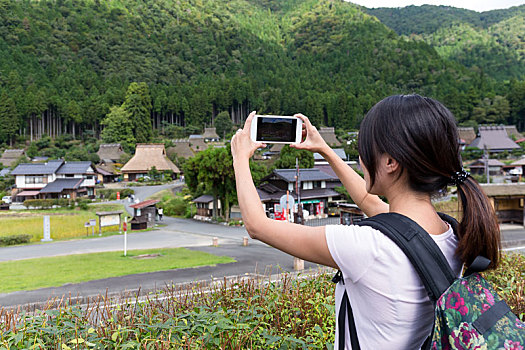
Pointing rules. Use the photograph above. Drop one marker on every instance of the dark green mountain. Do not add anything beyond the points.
(64, 63)
(492, 41)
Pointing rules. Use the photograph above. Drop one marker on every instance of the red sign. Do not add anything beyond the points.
(118, 195)
(125, 226)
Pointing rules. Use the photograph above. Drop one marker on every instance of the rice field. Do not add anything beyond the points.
(65, 224)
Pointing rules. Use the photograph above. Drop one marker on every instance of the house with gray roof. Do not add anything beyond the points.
(478, 167)
(319, 159)
(494, 139)
(53, 179)
(316, 189)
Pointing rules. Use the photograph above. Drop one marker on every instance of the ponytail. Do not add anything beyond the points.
(478, 232)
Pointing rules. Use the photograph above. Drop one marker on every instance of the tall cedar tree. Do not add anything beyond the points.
(118, 128)
(8, 119)
(138, 105)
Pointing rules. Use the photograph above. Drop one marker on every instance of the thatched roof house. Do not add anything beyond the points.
(146, 157)
(10, 156)
(513, 132)
(328, 134)
(181, 148)
(494, 139)
(111, 151)
(210, 135)
(466, 135)
(197, 143)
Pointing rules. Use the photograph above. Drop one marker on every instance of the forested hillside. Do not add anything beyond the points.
(492, 41)
(65, 63)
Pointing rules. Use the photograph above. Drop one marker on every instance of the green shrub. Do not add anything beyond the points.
(509, 281)
(15, 239)
(111, 194)
(174, 206)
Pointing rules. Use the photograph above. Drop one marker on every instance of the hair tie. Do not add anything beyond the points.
(459, 177)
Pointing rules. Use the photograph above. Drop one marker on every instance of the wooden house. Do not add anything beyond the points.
(507, 200)
(146, 157)
(204, 205)
(478, 167)
(144, 214)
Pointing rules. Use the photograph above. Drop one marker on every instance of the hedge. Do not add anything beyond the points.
(15, 239)
(46, 203)
(111, 194)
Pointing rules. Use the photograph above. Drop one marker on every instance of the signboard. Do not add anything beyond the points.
(311, 201)
(289, 199)
(110, 220)
(92, 222)
(278, 212)
(47, 229)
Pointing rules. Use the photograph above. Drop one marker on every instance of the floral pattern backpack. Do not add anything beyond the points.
(469, 314)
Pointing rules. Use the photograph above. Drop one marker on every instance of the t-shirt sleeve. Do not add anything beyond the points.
(353, 248)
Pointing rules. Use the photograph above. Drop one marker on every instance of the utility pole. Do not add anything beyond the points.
(298, 264)
(486, 157)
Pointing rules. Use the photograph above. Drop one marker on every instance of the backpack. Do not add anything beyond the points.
(468, 313)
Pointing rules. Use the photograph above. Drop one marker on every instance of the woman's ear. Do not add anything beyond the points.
(391, 165)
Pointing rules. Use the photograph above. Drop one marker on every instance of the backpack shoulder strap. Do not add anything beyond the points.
(424, 254)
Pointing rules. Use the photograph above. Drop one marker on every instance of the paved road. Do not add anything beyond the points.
(253, 259)
(177, 233)
(173, 232)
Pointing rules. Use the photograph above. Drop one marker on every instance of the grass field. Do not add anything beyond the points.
(65, 223)
(55, 271)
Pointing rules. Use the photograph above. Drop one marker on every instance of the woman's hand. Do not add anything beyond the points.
(242, 145)
(312, 140)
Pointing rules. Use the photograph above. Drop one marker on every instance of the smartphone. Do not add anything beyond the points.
(276, 129)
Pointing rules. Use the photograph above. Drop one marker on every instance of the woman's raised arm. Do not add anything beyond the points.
(308, 243)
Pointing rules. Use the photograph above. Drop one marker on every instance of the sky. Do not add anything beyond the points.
(476, 5)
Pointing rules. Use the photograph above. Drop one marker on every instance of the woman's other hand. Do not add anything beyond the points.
(312, 140)
(242, 145)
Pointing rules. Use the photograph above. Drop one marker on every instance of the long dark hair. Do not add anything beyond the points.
(421, 135)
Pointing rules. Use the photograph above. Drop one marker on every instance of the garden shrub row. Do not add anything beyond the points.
(296, 313)
(47, 203)
(15, 239)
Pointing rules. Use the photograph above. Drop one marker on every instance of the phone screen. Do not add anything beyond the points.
(276, 129)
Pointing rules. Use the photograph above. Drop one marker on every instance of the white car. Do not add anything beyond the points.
(6, 199)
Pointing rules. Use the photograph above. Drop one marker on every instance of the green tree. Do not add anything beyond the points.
(288, 155)
(211, 171)
(138, 106)
(223, 123)
(8, 118)
(118, 127)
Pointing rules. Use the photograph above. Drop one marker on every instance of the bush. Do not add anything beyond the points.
(174, 206)
(509, 281)
(15, 239)
(111, 194)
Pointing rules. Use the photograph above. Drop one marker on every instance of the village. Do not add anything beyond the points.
(499, 167)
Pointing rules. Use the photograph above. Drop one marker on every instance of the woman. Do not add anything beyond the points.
(409, 151)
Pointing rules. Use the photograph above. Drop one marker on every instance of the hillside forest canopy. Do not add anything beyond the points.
(77, 66)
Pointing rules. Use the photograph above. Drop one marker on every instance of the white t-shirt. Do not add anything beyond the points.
(390, 304)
